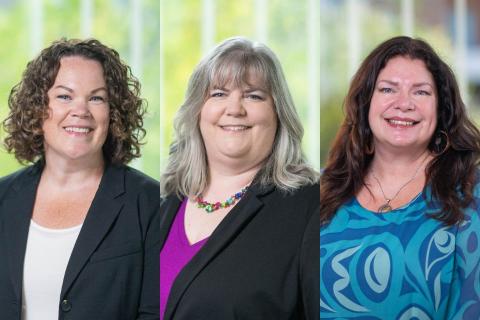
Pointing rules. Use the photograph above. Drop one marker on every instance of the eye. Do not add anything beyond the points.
(217, 94)
(65, 97)
(97, 99)
(386, 90)
(423, 93)
(255, 97)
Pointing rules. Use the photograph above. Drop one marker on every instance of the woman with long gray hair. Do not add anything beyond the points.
(239, 207)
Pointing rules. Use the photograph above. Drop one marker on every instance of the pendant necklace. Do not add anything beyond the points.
(386, 207)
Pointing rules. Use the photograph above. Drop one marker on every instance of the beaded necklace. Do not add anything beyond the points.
(210, 207)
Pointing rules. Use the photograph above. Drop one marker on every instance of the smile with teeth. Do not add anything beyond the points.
(78, 129)
(235, 127)
(402, 122)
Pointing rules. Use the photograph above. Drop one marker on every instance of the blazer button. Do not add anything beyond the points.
(66, 305)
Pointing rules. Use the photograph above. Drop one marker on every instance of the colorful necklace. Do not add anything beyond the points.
(210, 207)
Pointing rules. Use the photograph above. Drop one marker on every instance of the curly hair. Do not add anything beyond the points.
(452, 172)
(28, 102)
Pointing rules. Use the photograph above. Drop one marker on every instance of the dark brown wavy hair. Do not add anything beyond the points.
(452, 172)
(28, 102)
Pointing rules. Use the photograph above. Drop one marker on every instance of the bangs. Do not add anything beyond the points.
(240, 69)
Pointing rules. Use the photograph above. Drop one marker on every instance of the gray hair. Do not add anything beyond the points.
(234, 60)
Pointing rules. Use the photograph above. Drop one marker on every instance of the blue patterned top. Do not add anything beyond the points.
(400, 265)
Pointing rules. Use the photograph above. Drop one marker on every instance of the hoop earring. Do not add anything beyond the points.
(441, 139)
(370, 148)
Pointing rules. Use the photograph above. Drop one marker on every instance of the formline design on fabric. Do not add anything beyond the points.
(400, 265)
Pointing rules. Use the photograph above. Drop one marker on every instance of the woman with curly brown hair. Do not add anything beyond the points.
(400, 194)
(79, 229)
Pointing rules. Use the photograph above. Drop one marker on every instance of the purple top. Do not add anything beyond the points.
(175, 254)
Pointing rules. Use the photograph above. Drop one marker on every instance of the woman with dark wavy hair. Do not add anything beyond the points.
(79, 229)
(399, 195)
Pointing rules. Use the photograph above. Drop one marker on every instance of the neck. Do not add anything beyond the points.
(395, 166)
(62, 172)
(223, 182)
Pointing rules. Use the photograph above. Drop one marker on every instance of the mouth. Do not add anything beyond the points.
(402, 122)
(235, 128)
(78, 130)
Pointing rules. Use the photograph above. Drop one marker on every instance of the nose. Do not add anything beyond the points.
(235, 106)
(81, 109)
(404, 101)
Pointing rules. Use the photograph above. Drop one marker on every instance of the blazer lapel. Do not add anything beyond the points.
(226, 232)
(168, 211)
(18, 206)
(103, 211)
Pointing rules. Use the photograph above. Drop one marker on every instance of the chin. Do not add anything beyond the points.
(408, 144)
(233, 154)
(232, 149)
(81, 154)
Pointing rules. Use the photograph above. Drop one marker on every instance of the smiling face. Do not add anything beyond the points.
(403, 109)
(78, 120)
(238, 124)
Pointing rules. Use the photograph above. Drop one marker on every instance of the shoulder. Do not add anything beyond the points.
(300, 202)
(310, 191)
(147, 188)
(169, 199)
(141, 194)
(471, 220)
(476, 186)
(137, 179)
(473, 210)
(19, 174)
(131, 180)
(306, 194)
(136, 186)
(475, 206)
(16, 178)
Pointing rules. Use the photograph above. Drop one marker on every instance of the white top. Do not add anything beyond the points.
(46, 258)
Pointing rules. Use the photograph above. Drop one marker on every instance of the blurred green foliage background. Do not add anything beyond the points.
(175, 42)
(111, 24)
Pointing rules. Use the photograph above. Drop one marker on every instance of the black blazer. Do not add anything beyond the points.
(113, 272)
(261, 262)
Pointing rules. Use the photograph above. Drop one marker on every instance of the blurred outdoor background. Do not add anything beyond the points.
(190, 28)
(129, 26)
(350, 29)
(320, 44)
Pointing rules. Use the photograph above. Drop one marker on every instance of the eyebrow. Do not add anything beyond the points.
(252, 89)
(247, 89)
(422, 84)
(71, 90)
(99, 89)
(415, 85)
(63, 87)
(219, 88)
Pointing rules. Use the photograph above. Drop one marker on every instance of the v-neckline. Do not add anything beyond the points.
(182, 232)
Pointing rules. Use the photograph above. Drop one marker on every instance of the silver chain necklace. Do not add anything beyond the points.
(386, 207)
